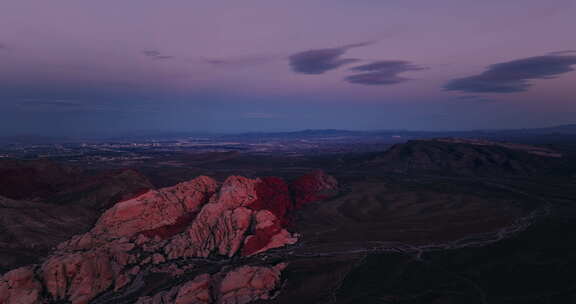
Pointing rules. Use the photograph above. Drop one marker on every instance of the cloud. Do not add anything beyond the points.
(513, 76)
(155, 55)
(3, 47)
(319, 61)
(384, 72)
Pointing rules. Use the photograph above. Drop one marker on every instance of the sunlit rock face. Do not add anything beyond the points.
(166, 231)
(236, 215)
(196, 291)
(157, 212)
(238, 286)
(249, 283)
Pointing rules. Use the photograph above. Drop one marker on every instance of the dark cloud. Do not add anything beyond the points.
(314, 62)
(383, 72)
(513, 76)
(155, 54)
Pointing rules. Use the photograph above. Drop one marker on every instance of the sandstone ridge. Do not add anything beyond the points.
(173, 233)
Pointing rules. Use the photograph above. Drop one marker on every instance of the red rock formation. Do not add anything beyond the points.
(155, 230)
(223, 224)
(268, 233)
(249, 283)
(196, 291)
(78, 276)
(273, 195)
(163, 212)
(20, 286)
(313, 187)
(239, 286)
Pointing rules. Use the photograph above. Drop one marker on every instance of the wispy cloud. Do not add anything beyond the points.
(384, 72)
(319, 61)
(513, 76)
(155, 55)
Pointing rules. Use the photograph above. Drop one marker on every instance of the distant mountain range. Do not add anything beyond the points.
(313, 133)
(406, 134)
(469, 157)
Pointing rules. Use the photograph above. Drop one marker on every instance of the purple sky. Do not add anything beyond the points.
(74, 67)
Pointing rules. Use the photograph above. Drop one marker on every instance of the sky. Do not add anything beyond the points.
(74, 67)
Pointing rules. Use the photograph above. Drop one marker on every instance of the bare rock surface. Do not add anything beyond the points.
(148, 213)
(249, 283)
(241, 285)
(20, 286)
(196, 291)
(168, 231)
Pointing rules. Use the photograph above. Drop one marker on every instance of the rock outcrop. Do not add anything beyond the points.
(163, 212)
(312, 187)
(238, 286)
(156, 231)
(20, 286)
(223, 225)
(249, 283)
(196, 291)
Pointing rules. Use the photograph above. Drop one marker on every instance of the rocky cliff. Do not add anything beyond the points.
(194, 242)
